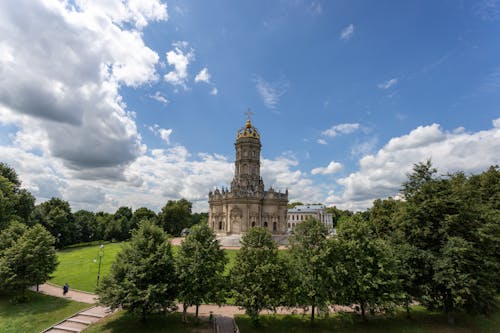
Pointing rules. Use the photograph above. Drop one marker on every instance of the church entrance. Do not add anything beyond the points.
(236, 226)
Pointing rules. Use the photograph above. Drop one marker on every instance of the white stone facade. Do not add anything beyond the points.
(247, 204)
(301, 213)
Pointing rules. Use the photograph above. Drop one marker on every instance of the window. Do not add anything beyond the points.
(220, 225)
(253, 224)
(265, 224)
(275, 226)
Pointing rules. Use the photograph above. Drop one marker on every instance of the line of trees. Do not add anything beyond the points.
(440, 246)
(68, 228)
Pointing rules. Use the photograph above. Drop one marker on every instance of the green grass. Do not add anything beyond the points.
(422, 321)
(123, 322)
(78, 266)
(39, 313)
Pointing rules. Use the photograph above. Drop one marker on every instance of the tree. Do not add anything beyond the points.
(257, 275)
(87, 226)
(308, 261)
(55, 215)
(121, 226)
(15, 203)
(200, 266)
(365, 270)
(29, 260)
(175, 216)
(198, 218)
(294, 204)
(142, 214)
(454, 229)
(142, 279)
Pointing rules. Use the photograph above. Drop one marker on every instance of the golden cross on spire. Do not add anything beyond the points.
(249, 113)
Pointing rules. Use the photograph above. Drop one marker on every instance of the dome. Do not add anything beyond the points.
(249, 131)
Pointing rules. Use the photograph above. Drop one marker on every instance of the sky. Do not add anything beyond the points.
(108, 103)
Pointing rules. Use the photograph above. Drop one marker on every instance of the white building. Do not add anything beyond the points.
(300, 213)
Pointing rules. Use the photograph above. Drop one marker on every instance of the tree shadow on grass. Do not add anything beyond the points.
(123, 322)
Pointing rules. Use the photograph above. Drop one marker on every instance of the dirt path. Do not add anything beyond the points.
(74, 295)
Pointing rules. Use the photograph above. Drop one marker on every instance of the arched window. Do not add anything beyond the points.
(253, 224)
(265, 224)
(275, 226)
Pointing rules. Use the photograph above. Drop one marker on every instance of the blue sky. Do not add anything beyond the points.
(137, 102)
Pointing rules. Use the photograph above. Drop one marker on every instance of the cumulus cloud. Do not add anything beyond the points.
(380, 175)
(387, 84)
(203, 76)
(332, 168)
(179, 58)
(339, 129)
(65, 84)
(347, 32)
(271, 92)
(160, 98)
(165, 134)
(281, 173)
(214, 91)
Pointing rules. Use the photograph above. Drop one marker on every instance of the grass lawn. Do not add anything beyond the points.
(422, 321)
(122, 322)
(36, 315)
(78, 266)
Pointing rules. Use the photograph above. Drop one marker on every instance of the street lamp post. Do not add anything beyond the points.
(101, 254)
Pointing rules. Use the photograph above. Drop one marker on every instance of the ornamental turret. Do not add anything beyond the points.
(247, 179)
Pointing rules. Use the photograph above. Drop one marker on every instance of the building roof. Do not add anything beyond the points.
(306, 209)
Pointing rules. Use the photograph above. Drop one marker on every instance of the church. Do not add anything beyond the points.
(247, 204)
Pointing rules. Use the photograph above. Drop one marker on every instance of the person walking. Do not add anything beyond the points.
(65, 289)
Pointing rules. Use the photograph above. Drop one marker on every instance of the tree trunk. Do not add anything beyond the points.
(196, 314)
(363, 315)
(184, 312)
(312, 312)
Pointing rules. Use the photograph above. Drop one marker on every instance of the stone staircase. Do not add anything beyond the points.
(80, 321)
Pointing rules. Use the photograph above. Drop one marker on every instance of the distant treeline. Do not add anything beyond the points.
(67, 227)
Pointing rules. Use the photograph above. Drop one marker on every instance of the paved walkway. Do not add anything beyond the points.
(74, 295)
(224, 314)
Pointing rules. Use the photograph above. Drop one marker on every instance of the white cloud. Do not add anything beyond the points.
(160, 98)
(202, 76)
(165, 134)
(61, 77)
(380, 175)
(496, 123)
(214, 91)
(322, 141)
(271, 92)
(347, 32)
(179, 58)
(387, 84)
(335, 130)
(332, 168)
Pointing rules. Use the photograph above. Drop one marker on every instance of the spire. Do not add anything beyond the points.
(249, 131)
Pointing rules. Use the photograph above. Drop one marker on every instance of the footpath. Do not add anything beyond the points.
(224, 315)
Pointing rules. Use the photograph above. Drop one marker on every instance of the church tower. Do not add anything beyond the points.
(247, 204)
(247, 178)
